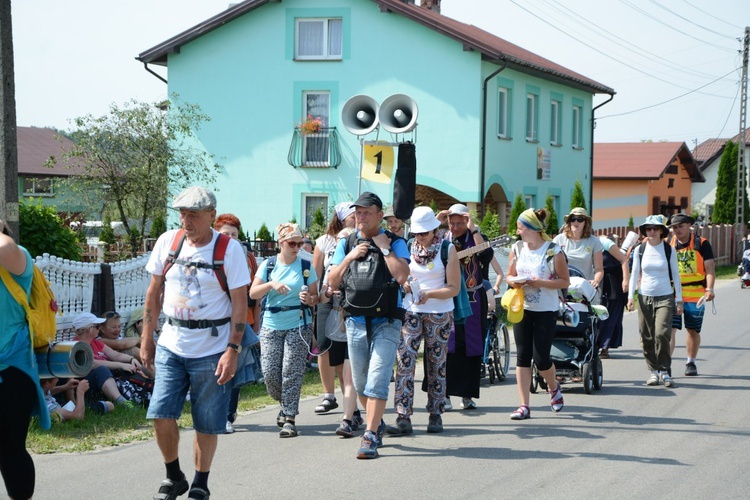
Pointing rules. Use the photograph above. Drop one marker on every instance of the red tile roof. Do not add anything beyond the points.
(35, 146)
(641, 160)
(705, 152)
(492, 47)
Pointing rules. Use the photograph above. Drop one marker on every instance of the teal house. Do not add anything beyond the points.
(492, 119)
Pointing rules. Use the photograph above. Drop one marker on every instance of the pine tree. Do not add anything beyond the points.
(553, 225)
(725, 206)
(518, 207)
(108, 234)
(490, 225)
(578, 199)
(631, 224)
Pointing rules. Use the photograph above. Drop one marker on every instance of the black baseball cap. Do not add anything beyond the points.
(680, 218)
(368, 199)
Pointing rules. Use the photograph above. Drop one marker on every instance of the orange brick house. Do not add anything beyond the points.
(637, 179)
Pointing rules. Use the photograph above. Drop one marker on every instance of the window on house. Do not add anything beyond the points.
(503, 113)
(532, 119)
(670, 184)
(555, 123)
(313, 202)
(529, 200)
(319, 39)
(577, 127)
(316, 146)
(672, 169)
(38, 187)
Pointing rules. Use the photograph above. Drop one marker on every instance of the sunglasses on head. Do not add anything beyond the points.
(577, 219)
(295, 244)
(111, 314)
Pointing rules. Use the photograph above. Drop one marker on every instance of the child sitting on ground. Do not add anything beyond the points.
(72, 410)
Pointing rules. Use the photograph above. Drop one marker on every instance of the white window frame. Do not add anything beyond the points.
(327, 54)
(532, 125)
(577, 128)
(34, 191)
(307, 218)
(503, 113)
(555, 122)
(528, 199)
(322, 135)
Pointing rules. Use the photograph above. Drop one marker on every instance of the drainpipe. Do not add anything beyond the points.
(591, 162)
(145, 65)
(484, 132)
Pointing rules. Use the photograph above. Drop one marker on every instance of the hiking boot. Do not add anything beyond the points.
(435, 424)
(357, 420)
(402, 427)
(691, 370)
(368, 448)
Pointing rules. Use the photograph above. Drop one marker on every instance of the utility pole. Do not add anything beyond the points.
(741, 169)
(8, 141)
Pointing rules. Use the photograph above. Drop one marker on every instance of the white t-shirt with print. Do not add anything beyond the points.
(581, 253)
(195, 293)
(533, 264)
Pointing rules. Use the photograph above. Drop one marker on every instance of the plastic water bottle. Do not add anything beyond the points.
(415, 293)
(304, 288)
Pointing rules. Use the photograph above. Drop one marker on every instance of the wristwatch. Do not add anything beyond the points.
(386, 251)
(237, 348)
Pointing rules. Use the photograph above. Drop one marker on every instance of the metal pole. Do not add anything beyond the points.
(8, 142)
(361, 164)
(741, 169)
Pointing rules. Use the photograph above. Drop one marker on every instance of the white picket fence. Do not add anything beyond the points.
(73, 285)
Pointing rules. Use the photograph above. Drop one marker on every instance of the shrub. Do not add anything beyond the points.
(490, 225)
(263, 233)
(518, 207)
(42, 231)
(108, 234)
(578, 199)
(553, 225)
(158, 226)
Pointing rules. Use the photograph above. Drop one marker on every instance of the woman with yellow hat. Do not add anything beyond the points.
(537, 265)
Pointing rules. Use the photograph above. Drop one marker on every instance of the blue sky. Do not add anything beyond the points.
(677, 58)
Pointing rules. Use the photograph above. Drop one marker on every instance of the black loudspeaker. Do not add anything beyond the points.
(406, 181)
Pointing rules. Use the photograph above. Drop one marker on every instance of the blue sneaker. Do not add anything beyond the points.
(381, 431)
(369, 447)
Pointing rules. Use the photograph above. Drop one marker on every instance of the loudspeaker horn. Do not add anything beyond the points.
(360, 114)
(398, 114)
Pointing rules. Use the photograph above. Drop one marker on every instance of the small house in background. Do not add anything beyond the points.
(36, 180)
(637, 179)
(708, 156)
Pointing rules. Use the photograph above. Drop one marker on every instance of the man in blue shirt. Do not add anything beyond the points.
(371, 356)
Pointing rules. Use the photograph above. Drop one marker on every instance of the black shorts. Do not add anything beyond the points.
(338, 352)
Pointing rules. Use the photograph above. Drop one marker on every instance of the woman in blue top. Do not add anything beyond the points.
(21, 395)
(286, 331)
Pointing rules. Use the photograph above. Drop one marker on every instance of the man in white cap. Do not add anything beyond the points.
(201, 339)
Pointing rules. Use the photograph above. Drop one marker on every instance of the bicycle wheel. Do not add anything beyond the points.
(501, 351)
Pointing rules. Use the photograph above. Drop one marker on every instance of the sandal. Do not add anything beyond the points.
(288, 430)
(170, 490)
(327, 405)
(197, 493)
(280, 419)
(556, 399)
(522, 413)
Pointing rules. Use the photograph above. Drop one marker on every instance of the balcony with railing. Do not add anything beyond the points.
(319, 149)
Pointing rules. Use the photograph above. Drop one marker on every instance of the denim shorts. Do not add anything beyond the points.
(693, 317)
(175, 375)
(98, 376)
(372, 361)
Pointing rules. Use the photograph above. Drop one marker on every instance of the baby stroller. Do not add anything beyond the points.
(496, 356)
(743, 270)
(574, 349)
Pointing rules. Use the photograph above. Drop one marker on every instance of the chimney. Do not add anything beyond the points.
(433, 5)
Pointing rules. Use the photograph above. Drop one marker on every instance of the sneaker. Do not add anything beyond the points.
(402, 427)
(447, 406)
(556, 399)
(435, 424)
(380, 432)
(230, 428)
(468, 404)
(691, 370)
(357, 420)
(345, 429)
(368, 448)
(667, 380)
(653, 379)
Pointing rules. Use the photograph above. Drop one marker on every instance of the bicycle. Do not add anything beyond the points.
(496, 356)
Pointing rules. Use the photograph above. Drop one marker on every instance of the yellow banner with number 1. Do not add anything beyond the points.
(378, 163)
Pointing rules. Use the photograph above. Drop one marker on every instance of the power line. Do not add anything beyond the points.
(724, 35)
(668, 100)
(730, 112)
(713, 16)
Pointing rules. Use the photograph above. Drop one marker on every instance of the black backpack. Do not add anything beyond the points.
(368, 288)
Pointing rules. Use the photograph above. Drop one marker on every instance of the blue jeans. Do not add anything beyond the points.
(372, 359)
(175, 375)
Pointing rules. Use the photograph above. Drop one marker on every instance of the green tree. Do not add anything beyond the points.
(434, 205)
(263, 233)
(108, 234)
(42, 231)
(318, 226)
(518, 207)
(158, 226)
(136, 157)
(553, 225)
(725, 206)
(631, 224)
(490, 225)
(578, 199)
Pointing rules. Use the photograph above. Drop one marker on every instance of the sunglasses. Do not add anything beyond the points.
(577, 219)
(111, 314)
(421, 234)
(295, 244)
(651, 228)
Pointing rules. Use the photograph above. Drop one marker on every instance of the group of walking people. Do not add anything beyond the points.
(378, 296)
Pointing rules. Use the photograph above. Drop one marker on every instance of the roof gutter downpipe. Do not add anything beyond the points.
(145, 65)
(591, 172)
(504, 64)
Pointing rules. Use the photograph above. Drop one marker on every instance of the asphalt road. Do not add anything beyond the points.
(625, 441)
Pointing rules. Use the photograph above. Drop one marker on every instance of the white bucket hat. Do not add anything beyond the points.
(423, 220)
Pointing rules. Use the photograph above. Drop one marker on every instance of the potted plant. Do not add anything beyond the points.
(310, 125)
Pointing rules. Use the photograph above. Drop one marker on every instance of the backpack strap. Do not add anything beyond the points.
(269, 267)
(444, 247)
(220, 251)
(667, 254)
(174, 251)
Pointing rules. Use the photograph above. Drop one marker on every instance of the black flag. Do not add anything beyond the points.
(406, 181)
